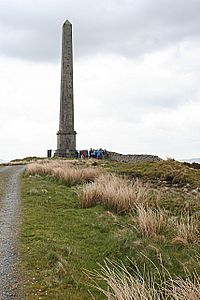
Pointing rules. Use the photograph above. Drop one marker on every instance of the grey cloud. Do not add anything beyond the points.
(127, 27)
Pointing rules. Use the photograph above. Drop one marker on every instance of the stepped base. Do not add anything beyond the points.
(65, 153)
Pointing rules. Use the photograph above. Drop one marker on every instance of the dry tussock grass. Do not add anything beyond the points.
(120, 194)
(151, 222)
(64, 170)
(187, 230)
(188, 289)
(122, 285)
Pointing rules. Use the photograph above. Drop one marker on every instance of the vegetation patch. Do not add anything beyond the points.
(132, 284)
(171, 171)
(151, 222)
(68, 233)
(64, 171)
(117, 193)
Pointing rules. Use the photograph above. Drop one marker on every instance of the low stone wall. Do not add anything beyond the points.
(132, 157)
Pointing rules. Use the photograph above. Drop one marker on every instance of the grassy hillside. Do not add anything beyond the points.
(63, 235)
(171, 171)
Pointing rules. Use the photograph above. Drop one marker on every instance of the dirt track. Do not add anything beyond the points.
(9, 226)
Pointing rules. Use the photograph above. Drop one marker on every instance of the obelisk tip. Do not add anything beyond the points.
(67, 22)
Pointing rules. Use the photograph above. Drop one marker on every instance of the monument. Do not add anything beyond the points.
(66, 136)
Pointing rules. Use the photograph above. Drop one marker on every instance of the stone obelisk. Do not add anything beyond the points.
(66, 136)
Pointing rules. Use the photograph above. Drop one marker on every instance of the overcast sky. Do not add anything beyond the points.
(136, 75)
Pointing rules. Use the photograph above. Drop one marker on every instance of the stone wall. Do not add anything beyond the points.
(132, 157)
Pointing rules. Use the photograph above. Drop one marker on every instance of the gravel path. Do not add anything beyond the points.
(3, 169)
(9, 217)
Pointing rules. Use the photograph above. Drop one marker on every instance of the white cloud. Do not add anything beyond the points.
(129, 28)
(29, 107)
(136, 76)
(140, 106)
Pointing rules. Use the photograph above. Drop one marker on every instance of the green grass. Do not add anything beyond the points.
(27, 159)
(60, 240)
(56, 230)
(166, 170)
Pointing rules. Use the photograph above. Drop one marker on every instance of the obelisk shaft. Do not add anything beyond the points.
(66, 136)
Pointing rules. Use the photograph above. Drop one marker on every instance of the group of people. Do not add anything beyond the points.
(92, 153)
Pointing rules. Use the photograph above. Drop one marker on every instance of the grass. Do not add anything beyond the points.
(117, 193)
(63, 170)
(187, 229)
(61, 237)
(27, 159)
(151, 222)
(124, 285)
(171, 171)
(154, 222)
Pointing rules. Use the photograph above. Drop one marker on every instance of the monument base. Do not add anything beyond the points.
(66, 144)
(65, 153)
